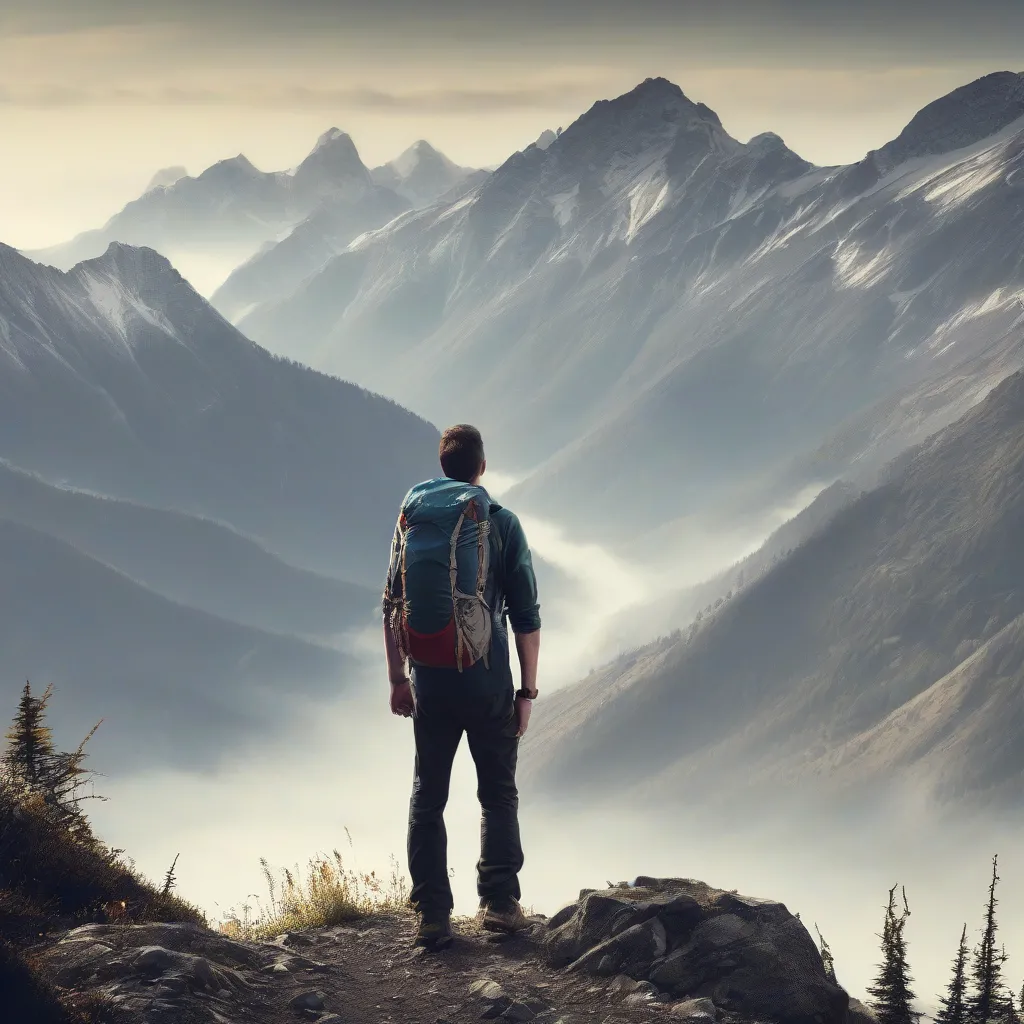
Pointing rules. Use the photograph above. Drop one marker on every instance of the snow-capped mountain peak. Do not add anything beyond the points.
(333, 165)
(232, 169)
(421, 174)
(961, 118)
(405, 164)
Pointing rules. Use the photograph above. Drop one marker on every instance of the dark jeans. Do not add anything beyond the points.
(445, 709)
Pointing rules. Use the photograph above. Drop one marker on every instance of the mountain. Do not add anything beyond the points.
(177, 686)
(422, 174)
(226, 213)
(279, 268)
(118, 378)
(190, 560)
(648, 295)
(888, 645)
(166, 177)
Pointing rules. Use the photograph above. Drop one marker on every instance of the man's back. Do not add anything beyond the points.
(474, 696)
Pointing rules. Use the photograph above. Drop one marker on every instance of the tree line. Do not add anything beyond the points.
(977, 993)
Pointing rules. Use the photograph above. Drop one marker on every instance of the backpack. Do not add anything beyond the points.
(440, 565)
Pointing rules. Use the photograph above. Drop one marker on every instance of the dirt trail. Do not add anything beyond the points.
(366, 973)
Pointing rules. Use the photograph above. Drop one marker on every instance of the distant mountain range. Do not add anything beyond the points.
(649, 297)
(232, 210)
(422, 175)
(887, 646)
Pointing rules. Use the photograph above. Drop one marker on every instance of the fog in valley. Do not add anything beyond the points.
(339, 777)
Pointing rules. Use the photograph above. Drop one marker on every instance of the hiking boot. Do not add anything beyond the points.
(434, 933)
(503, 916)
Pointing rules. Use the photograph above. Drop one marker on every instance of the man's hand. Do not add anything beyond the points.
(402, 702)
(523, 709)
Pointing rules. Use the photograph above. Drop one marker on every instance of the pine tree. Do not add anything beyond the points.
(827, 959)
(30, 750)
(891, 995)
(32, 763)
(952, 1006)
(1010, 1014)
(986, 1000)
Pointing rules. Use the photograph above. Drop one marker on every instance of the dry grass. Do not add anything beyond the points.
(73, 876)
(329, 893)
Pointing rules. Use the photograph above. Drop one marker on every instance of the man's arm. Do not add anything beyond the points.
(396, 663)
(402, 702)
(528, 649)
(521, 601)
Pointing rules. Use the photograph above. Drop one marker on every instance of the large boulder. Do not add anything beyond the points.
(751, 957)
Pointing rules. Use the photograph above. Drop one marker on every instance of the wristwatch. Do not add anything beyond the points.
(526, 694)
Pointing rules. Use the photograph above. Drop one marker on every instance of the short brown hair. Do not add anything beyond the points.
(462, 452)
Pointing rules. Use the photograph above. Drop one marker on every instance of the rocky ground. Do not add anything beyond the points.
(647, 951)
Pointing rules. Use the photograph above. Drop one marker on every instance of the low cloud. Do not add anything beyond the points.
(429, 101)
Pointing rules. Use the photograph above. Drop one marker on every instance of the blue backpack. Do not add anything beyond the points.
(440, 564)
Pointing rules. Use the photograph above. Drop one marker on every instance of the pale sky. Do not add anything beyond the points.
(96, 95)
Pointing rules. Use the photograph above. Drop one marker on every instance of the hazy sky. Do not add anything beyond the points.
(95, 95)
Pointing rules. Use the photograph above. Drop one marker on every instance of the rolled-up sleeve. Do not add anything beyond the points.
(521, 598)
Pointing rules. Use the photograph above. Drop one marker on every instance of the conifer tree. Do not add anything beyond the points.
(31, 762)
(952, 1006)
(986, 999)
(29, 756)
(891, 996)
(1010, 1014)
(827, 959)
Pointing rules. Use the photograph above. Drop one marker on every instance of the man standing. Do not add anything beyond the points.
(460, 566)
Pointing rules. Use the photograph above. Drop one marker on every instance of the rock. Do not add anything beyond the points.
(752, 957)
(696, 1009)
(631, 952)
(495, 1009)
(487, 990)
(330, 1018)
(861, 1014)
(307, 1001)
(154, 960)
(518, 1012)
(537, 1004)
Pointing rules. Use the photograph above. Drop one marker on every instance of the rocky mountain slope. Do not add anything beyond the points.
(648, 294)
(885, 645)
(279, 268)
(657, 949)
(116, 377)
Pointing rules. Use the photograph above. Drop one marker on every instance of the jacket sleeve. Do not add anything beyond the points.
(521, 600)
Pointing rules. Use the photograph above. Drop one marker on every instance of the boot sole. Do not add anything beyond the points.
(434, 945)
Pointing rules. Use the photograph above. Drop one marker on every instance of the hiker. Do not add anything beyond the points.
(460, 566)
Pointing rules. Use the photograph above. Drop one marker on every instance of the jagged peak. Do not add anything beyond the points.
(234, 166)
(961, 118)
(128, 262)
(767, 140)
(335, 155)
(654, 101)
(333, 142)
(420, 153)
